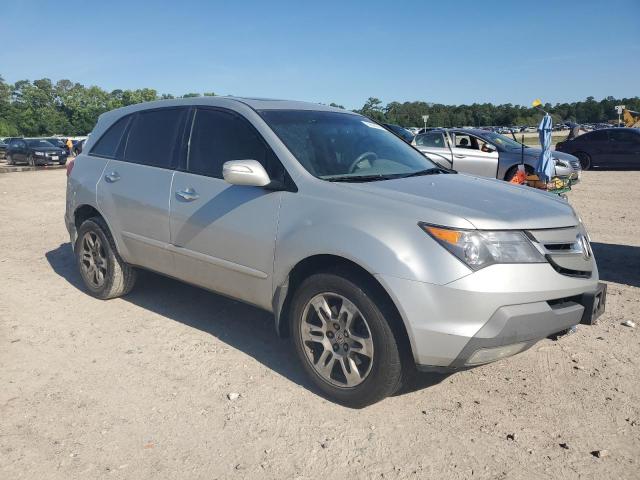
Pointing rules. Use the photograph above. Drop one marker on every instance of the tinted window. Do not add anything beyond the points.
(154, 137)
(623, 136)
(432, 139)
(107, 146)
(597, 136)
(218, 137)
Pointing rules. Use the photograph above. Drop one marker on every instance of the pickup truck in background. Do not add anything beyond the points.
(488, 154)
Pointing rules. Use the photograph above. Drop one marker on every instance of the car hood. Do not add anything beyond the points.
(534, 153)
(484, 203)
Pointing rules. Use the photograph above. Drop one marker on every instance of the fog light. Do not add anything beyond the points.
(486, 355)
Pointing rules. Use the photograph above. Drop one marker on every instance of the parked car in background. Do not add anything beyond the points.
(56, 142)
(488, 154)
(372, 258)
(3, 149)
(34, 151)
(77, 147)
(605, 148)
(402, 132)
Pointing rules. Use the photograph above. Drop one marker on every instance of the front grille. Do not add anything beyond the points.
(566, 250)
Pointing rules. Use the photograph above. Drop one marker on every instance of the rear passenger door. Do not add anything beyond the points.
(223, 235)
(134, 190)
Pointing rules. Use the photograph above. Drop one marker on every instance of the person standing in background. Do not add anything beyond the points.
(69, 146)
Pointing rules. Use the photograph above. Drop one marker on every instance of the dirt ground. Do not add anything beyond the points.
(137, 387)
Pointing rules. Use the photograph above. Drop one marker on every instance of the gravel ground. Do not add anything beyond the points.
(138, 387)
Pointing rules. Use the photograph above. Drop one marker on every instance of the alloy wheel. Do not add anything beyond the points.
(337, 340)
(93, 260)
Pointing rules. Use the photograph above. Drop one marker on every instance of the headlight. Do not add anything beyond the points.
(561, 163)
(480, 248)
(40, 154)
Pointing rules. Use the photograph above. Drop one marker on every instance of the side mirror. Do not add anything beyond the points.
(490, 148)
(245, 172)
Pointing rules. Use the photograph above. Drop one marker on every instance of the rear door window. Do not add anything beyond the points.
(155, 136)
(218, 136)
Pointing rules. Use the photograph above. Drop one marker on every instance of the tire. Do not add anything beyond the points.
(31, 161)
(373, 377)
(111, 277)
(585, 160)
(10, 160)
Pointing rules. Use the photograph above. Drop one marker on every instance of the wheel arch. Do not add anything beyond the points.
(85, 212)
(335, 264)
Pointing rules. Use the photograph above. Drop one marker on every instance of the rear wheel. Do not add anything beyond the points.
(104, 273)
(344, 341)
(585, 160)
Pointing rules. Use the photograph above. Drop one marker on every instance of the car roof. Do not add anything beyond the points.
(474, 131)
(226, 101)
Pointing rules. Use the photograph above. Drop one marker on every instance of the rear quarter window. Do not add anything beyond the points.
(107, 145)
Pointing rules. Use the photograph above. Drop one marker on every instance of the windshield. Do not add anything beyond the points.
(332, 145)
(502, 141)
(39, 144)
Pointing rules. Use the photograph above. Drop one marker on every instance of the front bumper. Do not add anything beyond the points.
(497, 306)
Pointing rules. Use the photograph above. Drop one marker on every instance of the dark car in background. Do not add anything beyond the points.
(401, 132)
(4, 145)
(34, 151)
(56, 142)
(615, 148)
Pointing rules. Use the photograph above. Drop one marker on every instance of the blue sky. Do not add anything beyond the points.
(333, 51)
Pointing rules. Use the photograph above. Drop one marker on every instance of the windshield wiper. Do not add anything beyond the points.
(360, 178)
(428, 171)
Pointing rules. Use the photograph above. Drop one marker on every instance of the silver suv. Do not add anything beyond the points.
(373, 259)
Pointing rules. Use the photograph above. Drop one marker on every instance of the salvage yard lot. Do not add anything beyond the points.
(138, 387)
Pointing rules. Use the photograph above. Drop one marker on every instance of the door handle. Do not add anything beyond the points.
(112, 177)
(188, 194)
(457, 155)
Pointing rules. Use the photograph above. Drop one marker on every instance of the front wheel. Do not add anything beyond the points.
(10, 160)
(585, 160)
(344, 341)
(31, 161)
(104, 273)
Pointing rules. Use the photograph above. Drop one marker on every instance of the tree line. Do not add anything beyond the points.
(409, 114)
(41, 107)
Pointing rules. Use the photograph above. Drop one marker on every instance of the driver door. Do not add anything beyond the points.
(223, 235)
(474, 156)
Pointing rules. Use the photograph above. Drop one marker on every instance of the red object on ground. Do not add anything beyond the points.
(519, 178)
